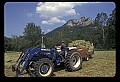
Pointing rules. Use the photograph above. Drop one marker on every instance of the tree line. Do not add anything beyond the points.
(104, 35)
(31, 38)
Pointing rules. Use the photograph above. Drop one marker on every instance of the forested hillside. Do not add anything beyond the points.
(66, 34)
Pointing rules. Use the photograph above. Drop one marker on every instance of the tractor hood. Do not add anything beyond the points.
(37, 50)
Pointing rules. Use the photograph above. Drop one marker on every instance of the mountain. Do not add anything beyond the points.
(83, 21)
(74, 29)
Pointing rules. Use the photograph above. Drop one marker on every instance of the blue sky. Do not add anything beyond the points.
(48, 15)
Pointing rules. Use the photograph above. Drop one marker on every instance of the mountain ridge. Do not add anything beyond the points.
(73, 29)
(83, 21)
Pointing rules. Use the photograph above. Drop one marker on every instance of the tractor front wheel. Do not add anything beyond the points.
(44, 67)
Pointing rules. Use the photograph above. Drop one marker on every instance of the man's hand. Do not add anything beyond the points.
(57, 47)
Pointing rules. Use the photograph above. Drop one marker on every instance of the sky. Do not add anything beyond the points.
(48, 15)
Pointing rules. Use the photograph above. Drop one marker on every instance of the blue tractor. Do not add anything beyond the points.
(40, 62)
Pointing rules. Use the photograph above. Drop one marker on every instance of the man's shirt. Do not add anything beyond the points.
(63, 46)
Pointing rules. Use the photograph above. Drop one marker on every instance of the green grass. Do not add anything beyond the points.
(103, 64)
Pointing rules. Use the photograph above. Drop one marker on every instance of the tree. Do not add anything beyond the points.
(111, 23)
(112, 18)
(17, 43)
(32, 34)
(101, 22)
(7, 44)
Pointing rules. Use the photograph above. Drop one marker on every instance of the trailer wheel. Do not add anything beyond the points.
(73, 61)
(44, 68)
(87, 58)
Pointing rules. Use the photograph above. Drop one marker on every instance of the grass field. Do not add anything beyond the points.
(103, 64)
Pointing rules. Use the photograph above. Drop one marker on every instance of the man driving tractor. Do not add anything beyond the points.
(62, 47)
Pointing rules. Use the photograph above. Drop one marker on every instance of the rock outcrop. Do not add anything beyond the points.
(83, 21)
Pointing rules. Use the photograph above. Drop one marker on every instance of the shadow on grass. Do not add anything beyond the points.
(58, 68)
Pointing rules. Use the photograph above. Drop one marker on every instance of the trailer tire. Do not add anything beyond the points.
(87, 58)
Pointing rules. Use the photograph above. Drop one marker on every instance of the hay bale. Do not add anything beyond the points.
(70, 45)
(88, 44)
(77, 43)
(82, 44)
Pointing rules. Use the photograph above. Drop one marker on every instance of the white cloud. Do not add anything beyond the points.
(29, 14)
(53, 21)
(56, 9)
(53, 11)
(56, 20)
(40, 3)
(44, 22)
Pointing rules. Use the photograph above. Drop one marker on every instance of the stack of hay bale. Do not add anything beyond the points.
(87, 44)
(90, 47)
(78, 44)
(82, 44)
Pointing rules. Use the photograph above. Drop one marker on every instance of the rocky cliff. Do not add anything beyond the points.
(83, 21)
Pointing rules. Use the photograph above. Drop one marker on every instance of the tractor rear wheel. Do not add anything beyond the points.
(73, 61)
(44, 68)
